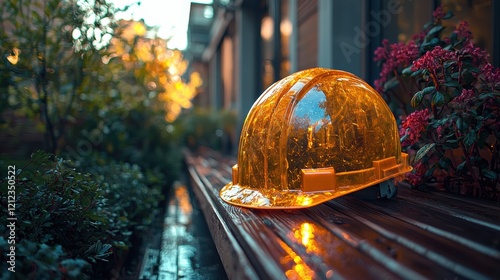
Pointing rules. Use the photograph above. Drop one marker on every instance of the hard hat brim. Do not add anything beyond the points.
(289, 199)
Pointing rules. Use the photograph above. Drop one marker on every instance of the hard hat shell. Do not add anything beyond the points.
(313, 136)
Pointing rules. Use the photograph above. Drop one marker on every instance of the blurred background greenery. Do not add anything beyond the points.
(108, 106)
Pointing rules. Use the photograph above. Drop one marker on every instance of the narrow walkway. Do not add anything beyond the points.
(187, 250)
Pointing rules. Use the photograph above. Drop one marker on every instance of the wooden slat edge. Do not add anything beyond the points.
(233, 258)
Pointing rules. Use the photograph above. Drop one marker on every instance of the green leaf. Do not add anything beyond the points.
(428, 90)
(430, 171)
(483, 136)
(405, 135)
(489, 174)
(104, 250)
(392, 83)
(416, 99)
(470, 138)
(430, 44)
(41, 157)
(435, 123)
(470, 67)
(444, 163)
(74, 267)
(452, 84)
(489, 95)
(407, 71)
(460, 123)
(423, 151)
(416, 73)
(467, 76)
(448, 15)
(452, 144)
(447, 64)
(428, 24)
(438, 99)
(436, 29)
(37, 19)
(454, 39)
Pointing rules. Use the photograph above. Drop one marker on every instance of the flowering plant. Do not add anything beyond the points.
(451, 130)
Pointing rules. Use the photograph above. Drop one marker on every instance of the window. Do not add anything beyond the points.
(478, 13)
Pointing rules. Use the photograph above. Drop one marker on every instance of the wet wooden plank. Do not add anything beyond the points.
(235, 261)
(415, 236)
(256, 239)
(441, 250)
(326, 253)
(186, 250)
(477, 236)
(277, 251)
(149, 263)
(302, 243)
(168, 254)
(487, 212)
(304, 240)
(401, 260)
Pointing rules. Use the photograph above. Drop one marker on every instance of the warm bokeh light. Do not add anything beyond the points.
(164, 67)
(267, 29)
(300, 270)
(306, 234)
(286, 27)
(14, 56)
(182, 196)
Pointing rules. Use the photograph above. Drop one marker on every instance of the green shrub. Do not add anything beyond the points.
(131, 197)
(201, 127)
(69, 223)
(40, 261)
(139, 137)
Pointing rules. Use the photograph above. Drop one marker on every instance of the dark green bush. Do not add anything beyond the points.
(131, 197)
(139, 137)
(69, 223)
(207, 128)
(41, 261)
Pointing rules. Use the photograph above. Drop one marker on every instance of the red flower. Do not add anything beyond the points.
(413, 126)
(382, 53)
(479, 56)
(419, 37)
(465, 98)
(416, 176)
(438, 13)
(405, 53)
(491, 74)
(439, 131)
(394, 56)
(463, 30)
(433, 60)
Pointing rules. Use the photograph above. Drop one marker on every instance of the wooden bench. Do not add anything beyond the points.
(417, 235)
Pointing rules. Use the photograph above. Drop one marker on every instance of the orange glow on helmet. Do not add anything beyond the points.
(313, 136)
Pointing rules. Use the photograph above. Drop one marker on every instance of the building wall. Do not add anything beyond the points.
(227, 72)
(202, 98)
(307, 25)
(337, 34)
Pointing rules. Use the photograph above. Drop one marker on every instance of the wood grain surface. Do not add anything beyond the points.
(417, 235)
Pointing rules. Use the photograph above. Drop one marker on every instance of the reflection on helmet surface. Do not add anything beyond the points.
(314, 135)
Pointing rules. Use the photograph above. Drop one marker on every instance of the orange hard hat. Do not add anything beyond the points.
(313, 136)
